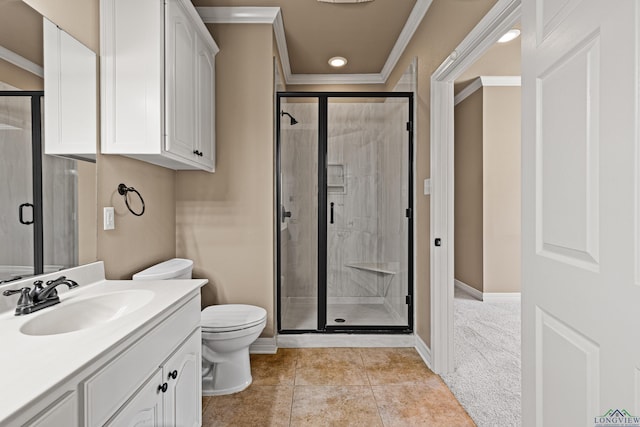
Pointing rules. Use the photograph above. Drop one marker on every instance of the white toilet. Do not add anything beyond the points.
(227, 332)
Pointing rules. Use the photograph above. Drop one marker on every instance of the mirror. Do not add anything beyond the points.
(67, 196)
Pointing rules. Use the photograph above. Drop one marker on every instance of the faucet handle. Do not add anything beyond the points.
(25, 297)
(12, 291)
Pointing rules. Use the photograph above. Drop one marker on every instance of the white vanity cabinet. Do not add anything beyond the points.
(158, 83)
(139, 385)
(171, 396)
(70, 101)
(63, 412)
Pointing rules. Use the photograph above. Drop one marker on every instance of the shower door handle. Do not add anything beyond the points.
(285, 213)
(331, 216)
(21, 216)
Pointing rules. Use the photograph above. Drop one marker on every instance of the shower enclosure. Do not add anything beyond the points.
(345, 205)
(38, 221)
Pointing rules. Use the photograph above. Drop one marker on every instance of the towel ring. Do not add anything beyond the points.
(123, 190)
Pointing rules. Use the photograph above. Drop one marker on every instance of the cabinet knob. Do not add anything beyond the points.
(173, 375)
(198, 153)
(163, 388)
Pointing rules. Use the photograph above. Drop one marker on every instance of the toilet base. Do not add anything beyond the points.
(231, 373)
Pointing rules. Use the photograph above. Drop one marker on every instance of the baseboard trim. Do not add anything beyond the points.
(423, 351)
(468, 289)
(264, 346)
(501, 296)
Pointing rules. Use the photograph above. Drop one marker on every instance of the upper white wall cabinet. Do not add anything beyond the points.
(70, 99)
(158, 83)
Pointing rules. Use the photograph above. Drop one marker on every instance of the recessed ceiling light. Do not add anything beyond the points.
(338, 61)
(509, 35)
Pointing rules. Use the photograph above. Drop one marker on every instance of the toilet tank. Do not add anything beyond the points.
(176, 268)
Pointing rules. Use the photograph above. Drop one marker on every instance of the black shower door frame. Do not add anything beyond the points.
(322, 326)
(36, 160)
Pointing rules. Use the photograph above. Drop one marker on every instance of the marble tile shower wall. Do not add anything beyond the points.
(368, 143)
(355, 133)
(393, 200)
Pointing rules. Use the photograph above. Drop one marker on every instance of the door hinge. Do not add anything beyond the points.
(408, 299)
(410, 126)
(408, 213)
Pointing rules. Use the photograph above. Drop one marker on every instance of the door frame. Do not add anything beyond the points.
(323, 98)
(493, 25)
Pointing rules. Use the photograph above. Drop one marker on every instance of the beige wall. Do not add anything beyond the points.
(468, 169)
(501, 177)
(442, 29)
(487, 190)
(225, 220)
(19, 78)
(136, 242)
(80, 18)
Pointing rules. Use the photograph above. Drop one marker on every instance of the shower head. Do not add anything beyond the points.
(293, 121)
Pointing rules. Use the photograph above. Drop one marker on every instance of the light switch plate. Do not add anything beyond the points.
(109, 219)
(427, 187)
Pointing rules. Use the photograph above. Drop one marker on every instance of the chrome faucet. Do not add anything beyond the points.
(40, 296)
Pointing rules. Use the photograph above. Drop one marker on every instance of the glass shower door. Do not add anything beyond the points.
(16, 193)
(298, 213)
(368, 196)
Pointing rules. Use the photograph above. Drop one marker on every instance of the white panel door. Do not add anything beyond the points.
(581, 282)
(181, 82)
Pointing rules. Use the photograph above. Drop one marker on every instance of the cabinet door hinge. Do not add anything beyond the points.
(410, 126)
(408, 299)
(408, 213)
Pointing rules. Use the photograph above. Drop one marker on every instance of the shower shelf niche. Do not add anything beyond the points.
(336, 183)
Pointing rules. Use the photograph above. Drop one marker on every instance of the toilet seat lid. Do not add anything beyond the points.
(231, 317)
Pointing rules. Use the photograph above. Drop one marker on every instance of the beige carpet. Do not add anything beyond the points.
(487, 359)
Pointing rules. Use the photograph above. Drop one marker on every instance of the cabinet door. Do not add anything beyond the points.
(181, 82)
(145, 408)
(183, 399)
(71, 100)
(206, 106)
(132, 76)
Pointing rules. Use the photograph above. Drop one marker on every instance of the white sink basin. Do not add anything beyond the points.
(87, 312)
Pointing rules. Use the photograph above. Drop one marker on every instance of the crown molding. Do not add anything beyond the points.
(281, 43)
(486, 81)
(238, 15)
(413, 22)
(20, 61)
(328, 79)
(272, 15)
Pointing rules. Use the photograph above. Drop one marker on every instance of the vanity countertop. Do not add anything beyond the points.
(35, 364)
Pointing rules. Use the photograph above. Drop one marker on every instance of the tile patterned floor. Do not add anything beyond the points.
(338, 387)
